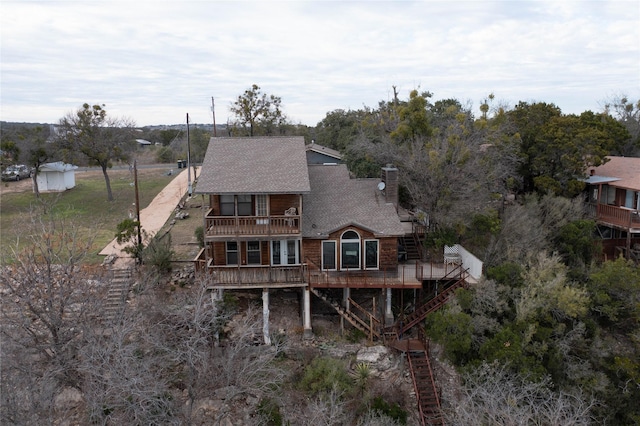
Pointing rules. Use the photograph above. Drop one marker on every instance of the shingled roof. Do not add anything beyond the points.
(337, 201)
(622, 172)
(257, 165)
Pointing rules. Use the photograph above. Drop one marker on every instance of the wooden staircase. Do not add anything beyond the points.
(370, 325)
(425, 309)
(425, 387)
(412, 246)
(117, 294)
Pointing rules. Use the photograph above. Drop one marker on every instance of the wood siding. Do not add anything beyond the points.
(388, 248)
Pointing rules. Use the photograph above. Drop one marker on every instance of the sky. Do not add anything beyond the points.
(155, 61)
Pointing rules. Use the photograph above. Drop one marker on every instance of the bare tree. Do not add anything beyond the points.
(492, 395)
(47, 296)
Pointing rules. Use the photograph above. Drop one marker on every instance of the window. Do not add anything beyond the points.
(350, 250)
(227, 205)
(628, 202)
(275, 253)
(261, 209)
(371, 254)
(285, 252)
(329, 255)
(244, 205)
(232, 253)
(261, 205)
(292, 252)
(253, 252)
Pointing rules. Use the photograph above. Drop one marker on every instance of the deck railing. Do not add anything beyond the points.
(252, 225)
(615, 215)
(245, 276)
(409, 276)
(401, 276)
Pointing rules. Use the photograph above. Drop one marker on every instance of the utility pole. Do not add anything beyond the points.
(188, 158)
(213, 111)
(135, 179)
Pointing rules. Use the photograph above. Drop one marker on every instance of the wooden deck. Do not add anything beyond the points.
(251, 227)
(616, 217)
(405, 276)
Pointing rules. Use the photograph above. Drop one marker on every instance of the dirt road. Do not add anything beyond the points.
(155, 215)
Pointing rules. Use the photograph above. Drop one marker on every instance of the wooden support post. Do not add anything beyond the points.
(265, 316)
(308, 332)
(388, 314)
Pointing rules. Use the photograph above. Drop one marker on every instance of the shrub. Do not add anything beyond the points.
(165, 155)
(159, 253)
(389, 410)
(270, 411)
(325, 374)
(199, 233)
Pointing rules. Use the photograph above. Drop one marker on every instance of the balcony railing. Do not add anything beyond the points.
(257, 276)
(615, 215)
(226, 226)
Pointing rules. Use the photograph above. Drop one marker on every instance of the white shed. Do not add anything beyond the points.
(56, 177)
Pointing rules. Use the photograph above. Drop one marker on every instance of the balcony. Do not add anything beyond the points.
(256, 276)
(406, 276)
(251, 227)
(615, 216)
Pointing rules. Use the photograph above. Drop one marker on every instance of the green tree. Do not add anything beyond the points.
(556, 149)
(615, 289)
(256, 111)
(339, 128)
(454, 329)
(414, 118)
(90, 133)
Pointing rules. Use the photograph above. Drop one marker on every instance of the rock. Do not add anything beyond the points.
(378, 358)
(69, 397)
(372, 354)
(206, 405)
(344, 351)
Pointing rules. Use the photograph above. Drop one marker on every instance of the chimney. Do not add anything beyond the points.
(390, 179)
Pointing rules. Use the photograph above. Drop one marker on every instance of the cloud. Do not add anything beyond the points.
(155, 61)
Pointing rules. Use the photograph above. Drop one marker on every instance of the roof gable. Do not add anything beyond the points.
(337, 201)
(323, 152)
(257, 165)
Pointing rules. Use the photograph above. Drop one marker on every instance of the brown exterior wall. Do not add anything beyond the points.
(278, 203)
(311, 251)
(388, 254)
(220, 258)
(281, 202)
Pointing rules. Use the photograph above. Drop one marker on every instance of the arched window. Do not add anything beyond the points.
(350, 250)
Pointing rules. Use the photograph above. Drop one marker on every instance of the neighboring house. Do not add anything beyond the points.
(318, 154)
(273, 221)
(613, 197)
(143, 142)
(56, 177)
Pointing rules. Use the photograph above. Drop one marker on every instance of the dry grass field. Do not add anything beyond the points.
(84, 207)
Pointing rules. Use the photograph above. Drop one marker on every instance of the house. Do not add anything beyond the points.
(273, 221)
(318, 154)
(56, 177)
(613, 200)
